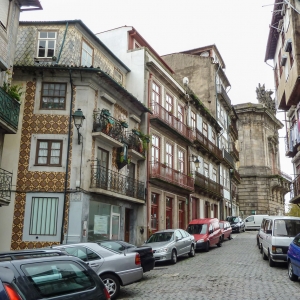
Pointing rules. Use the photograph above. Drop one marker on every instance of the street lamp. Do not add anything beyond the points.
(78, 118)
(196, 161)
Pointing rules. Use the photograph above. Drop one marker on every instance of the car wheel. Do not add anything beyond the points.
(174, 257)
(230, 237)
(271, 261)
(220, 242)
(112, 285)
(244, 229)
(264, 256)
(291, 274)
(192, 252)
(207, 246)
(239, 230)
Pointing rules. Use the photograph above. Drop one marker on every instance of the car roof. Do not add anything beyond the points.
(203, 221)
(282, 218)
(168, 230)
(30, 253)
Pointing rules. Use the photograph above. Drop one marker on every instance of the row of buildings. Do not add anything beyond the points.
(111, 140)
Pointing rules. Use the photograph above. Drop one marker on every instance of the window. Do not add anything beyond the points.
(169, 103)
(169, 155)
(155, 93)
(53, 96)
(180, 113)
(118, 76)
(155, 148)
(204, 129)
(214, 175)
(86, 55)
(46, 44)
(48, 153)
(213, 137)
(180, 161)
(193, 120)
(206, 170)
(43, 219)
(4, 11)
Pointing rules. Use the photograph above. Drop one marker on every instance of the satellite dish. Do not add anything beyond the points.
(185, 81)
(205, 54)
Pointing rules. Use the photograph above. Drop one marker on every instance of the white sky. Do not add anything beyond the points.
(239, 28)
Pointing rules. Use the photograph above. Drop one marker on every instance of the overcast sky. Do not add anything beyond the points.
(239, 29)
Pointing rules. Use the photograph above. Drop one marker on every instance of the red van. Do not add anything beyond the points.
(207, 233)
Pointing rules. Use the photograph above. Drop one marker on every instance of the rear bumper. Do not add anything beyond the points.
(148, 264)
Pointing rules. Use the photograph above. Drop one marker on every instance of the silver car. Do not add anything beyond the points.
(170, 243)
(114, 268)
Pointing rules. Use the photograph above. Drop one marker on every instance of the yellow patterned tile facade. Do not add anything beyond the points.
(28, 181)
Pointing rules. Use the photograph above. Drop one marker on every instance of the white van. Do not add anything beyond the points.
(275, 235)
(254, 221)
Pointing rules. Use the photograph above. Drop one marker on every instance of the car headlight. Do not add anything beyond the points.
(162, 250)
(200, 241)
(277, 250)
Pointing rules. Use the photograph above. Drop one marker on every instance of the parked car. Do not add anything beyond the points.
(293, 258)
(275, 235)
(236, 223)
(207, 233)
(226, 230)
(171, 243)
(114, 268)
(253, 221)
(47, 274)
(146, 253)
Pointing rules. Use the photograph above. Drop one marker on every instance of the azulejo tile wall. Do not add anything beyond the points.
(28, 181)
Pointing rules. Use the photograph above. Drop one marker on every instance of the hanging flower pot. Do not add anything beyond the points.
(106, 112)
(124, 124)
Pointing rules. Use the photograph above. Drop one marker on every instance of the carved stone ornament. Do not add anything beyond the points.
(264, 97)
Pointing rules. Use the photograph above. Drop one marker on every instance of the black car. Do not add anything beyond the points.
(237, 223)
(47, 274)
(146, 253)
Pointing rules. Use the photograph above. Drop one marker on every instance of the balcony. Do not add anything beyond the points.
(163, 173)
(169, 121)
(118, 184)
(208, 186)
(235, 175)
(108, 129)
(292, 141)
(222, 96)
(234, 152)
(233, 129)
(9, 112)
(5, 187)
(228, 159)
(295, 191)
(207, 147)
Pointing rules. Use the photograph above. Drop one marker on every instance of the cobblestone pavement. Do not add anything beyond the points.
(236, 271)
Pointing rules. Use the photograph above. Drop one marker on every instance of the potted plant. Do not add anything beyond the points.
(105, 112)
(136, 132)
(14, 91)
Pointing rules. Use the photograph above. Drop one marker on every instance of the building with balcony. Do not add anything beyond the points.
(282, 49)
(262, 184)
(76, 185)
(204, 69)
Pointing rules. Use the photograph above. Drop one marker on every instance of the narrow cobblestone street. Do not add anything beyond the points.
(234, 271)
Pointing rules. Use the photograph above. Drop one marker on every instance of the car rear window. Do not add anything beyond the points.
(197, 229)
(286, 227)
(57, 278)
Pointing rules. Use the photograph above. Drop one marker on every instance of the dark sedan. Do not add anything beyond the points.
(146, 253)
(237, 224)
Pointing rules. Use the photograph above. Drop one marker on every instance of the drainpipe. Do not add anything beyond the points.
(67, 161)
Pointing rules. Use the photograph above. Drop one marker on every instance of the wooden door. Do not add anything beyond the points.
(127, 225)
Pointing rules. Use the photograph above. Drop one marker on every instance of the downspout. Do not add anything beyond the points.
(67, 161)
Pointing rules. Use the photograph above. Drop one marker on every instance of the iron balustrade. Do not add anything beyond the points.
(221, 91)
(236, 175)
(208, 145)
(136, 143)
(234, 151)
(168, 118)
(109, 180)
(5, 185)
(228, 158)
(295, 187)
(9, 109)
(109, 126)
(208, 185)
(165, 173)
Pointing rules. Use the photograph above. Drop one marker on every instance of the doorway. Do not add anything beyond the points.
(127, 225)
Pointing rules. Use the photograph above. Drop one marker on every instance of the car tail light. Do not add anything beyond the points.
(106, 293)
(137, 259)
(12, 294)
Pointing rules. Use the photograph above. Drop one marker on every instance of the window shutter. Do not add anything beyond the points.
(4, 7)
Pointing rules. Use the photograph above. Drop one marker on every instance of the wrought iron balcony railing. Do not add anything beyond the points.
(228, 158)
(5, 186)
(109, 180)
(9, 110)
(159, 112)
(295, 187)
(165, 173)
(234, 151)
(208, 185)
(208, 145)
(136, 143)
(236, 175)
(109, 126)
(221, 92)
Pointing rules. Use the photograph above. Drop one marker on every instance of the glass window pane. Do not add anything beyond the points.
(43, 34)
(51, 35)
(50, 53)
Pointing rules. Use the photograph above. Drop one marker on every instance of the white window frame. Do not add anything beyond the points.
(47, 41)
(4, 12)
(27, 218)
(87, 53)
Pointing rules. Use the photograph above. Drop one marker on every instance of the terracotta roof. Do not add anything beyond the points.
(273, 34)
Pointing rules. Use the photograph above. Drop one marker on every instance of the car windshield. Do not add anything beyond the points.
(233, 219)
(197, 229)
(286, 227)
(161, 237)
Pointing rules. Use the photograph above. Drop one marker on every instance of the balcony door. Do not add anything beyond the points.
(102, 168)
(154, 212)
(169, 202)
(130, 186)
(169, 109)
(181, 214)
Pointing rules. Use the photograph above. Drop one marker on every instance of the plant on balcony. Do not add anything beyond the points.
(14, 91)
(136, 132)
(105, 112)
